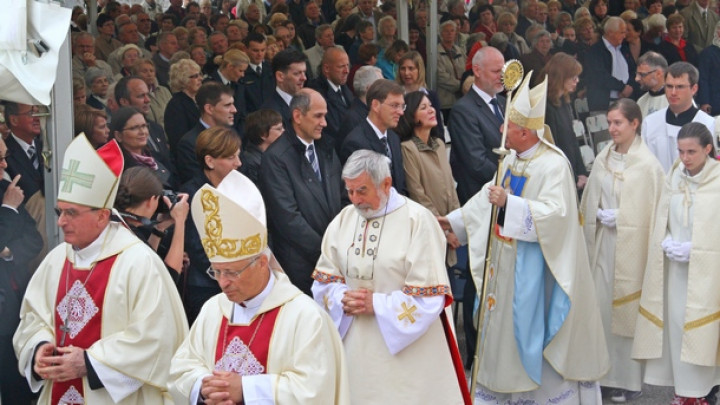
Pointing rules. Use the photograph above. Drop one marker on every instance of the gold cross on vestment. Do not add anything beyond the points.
(326, 301)
(407, 313)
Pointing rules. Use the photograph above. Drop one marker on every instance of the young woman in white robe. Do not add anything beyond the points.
(678, 327)
(619, 209)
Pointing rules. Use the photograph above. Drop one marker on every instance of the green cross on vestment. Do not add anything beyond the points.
(71, 176)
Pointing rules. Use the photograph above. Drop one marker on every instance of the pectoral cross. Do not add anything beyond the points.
(65, 329)
(407, 313)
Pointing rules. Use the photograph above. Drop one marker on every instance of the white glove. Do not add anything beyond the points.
(667, 243)
(681, 252)
(607, 217)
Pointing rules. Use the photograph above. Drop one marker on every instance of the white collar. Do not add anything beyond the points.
(305, 142)
(700, 8)
(285, 96)
(24, 145)
(486, 97)
(610, 46)
(223, 78)
(243, 315)
(85, 257)
(333, 86)
(395, 201)
(379, 134)
(528, 153)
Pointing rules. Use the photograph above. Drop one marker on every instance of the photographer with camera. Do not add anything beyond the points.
(138, 201)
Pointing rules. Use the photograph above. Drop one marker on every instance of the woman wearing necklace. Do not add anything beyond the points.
(427, 170)
(619, 205)
(139, 196)
(681, 278)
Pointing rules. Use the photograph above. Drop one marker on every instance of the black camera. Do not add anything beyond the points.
(172, 196)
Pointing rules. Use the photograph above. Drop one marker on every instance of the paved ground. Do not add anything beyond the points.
(652, 395)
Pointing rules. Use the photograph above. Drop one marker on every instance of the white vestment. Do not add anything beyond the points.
(679, 324)
(143, 321)
(631, 184)
(305, 363)
(400, 354)
(661, 137)
(542, 331)
(649, 104)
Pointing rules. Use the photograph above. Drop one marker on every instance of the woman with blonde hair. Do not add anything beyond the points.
(563, 73)
(181, 113)
(619, 207)
(411, 75)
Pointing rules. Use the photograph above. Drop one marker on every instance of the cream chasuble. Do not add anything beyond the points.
(631, 184)
(142, 321)
(305, 361)
(680, 337)
(400, 355)
(562, 329)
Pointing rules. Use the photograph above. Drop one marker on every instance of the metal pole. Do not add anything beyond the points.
(432, 45)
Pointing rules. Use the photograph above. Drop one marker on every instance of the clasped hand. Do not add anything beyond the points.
(358, 302)
(677, 251)
(60, 363)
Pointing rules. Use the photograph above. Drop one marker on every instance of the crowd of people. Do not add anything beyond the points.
(262, 194)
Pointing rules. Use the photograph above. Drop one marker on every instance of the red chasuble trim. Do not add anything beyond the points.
(78, 317)
(244, 349)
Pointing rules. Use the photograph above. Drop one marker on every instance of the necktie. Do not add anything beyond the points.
(387, 147)
(496, 110)
(339, 93)
(32, 154)
(258, 69)
(704, 15)
(313, 161)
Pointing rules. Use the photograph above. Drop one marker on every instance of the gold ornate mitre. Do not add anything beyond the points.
(228, 231)
(527, 108)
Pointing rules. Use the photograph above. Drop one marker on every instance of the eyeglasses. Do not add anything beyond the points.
(30, 113)
(194, 76)
(4, 158)
(672, 87)
(231, 275)
(71, 213)
(136, 127)
(400, 107)
(645, 74)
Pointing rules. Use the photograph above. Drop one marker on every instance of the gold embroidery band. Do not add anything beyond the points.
(626, 299)
(213, 242)
(650, 317)
(327, 278)
(533, 123)
(702, 321)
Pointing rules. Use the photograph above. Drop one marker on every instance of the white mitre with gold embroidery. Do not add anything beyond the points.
(90, 177)
(230, 219)
(527, 108)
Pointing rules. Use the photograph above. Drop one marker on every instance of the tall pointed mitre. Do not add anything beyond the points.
(90, 177)
(527, 108)
(230, 219)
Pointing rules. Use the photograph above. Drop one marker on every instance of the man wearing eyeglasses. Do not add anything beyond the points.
(386, 104)
(381, 277)
(262, 340)
(101, 316)
(650, 75)
(25, 146)
(660, 129)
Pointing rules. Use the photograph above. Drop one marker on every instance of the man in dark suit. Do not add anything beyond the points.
(527, 17)
(332, 84)
(604, 83)
(300, 179)
(167, 46)
(474, 127)
(25, 147)
(216, 105)
(20, 242)
(289, 68)
(258, 80)
(386, 104)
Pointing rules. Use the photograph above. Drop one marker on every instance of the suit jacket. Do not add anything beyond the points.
(258, 88)
(188, 166)
(474, 131)
(162, 70)
(337, 109)
(672, 55)
(32, 180)
(597, 74)
(181, 114)
(355, 116)
(19, 234)
(299, 207)
(364, 137)
(275, 102)
(698, 31)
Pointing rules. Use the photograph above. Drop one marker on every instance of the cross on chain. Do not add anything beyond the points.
(71, 176)
(407, 313)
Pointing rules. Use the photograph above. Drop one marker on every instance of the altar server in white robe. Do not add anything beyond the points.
(678, 328)
(101, 318)
(619, 204)
(542, 338)
(660, 129)
(381, 276)
(261, 341)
